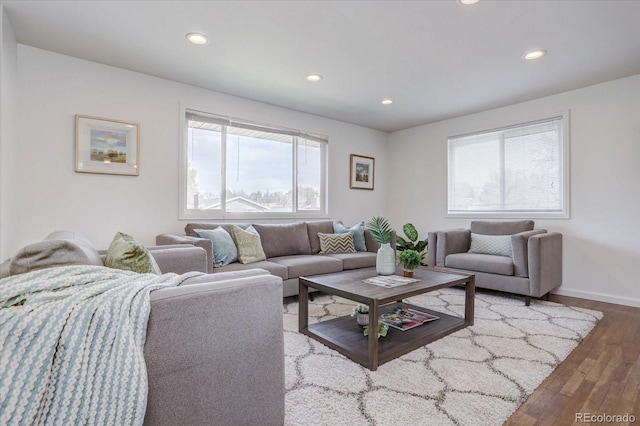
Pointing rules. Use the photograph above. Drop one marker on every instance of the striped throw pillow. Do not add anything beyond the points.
(336, 243)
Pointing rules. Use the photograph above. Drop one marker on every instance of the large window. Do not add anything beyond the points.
(234, 168)
(519, 170)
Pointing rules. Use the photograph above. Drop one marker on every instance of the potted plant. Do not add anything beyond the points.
(382, 329)
(412, 242)
(382, 233)
(410, 260)
(361, 312)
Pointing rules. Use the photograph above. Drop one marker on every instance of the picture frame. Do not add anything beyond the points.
(362, 172)
(107, 146)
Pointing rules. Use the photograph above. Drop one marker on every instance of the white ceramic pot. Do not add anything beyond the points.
(362, 319)
(386, 260)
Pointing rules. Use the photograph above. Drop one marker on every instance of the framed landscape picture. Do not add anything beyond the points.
(362, 172)
(107, 146)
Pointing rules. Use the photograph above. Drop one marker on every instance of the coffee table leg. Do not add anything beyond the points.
(303, 306)
(470, 297)
(373, 336)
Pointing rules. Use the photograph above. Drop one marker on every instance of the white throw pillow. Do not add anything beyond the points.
(491, 244)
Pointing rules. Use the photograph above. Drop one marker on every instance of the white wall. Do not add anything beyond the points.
(8, 75)
(49, 195)
(602, 237)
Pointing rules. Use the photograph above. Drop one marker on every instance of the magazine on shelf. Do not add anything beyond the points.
(390, 280)
(406, 318)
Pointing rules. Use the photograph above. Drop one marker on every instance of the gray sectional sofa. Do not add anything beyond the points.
(207, 361)
(292, 250)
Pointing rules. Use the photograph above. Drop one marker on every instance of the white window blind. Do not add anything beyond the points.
(237, 168)
(519, 169)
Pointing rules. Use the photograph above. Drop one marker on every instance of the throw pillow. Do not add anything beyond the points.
(224, 249)
(126, 253)
(336, 243)
(358, 234)
(491, 244)
(248, 245)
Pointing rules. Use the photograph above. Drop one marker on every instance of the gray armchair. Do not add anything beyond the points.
(532, 267)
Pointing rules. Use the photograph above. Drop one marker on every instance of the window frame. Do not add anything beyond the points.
(185, 213)
(564, 159)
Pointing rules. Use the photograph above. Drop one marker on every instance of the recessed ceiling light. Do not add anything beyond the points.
(534, 54)
(387, 102)
(467, 2)
(197, 38)
(314, 77)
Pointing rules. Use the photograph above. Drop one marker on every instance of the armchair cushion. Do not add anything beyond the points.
(489, 263)
(499, 245)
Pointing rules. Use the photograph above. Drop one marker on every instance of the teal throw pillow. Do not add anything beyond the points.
(358, 234)
(224, 249)
(126, 253)
(248, 244)
(499, 245)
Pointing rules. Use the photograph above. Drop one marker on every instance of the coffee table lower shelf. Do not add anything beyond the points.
(345, 335)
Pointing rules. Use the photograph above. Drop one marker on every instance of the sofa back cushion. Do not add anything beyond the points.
(313, 228)
(284, 239)
(59, 248)
(501, 227)
(190, 228)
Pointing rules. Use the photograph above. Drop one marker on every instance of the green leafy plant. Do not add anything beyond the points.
(381, 231)
(359, 309)
(412, 242)
(410, 259)
(382, 329)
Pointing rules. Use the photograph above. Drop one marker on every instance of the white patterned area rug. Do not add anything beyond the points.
(477, 376)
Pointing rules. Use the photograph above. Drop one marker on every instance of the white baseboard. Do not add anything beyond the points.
(600, 297)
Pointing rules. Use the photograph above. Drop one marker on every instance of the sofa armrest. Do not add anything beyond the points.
(206, 244)
(519, 243)
(451, 241)
(180, 259)
(215, 353)
(545, 262)
(432, 238)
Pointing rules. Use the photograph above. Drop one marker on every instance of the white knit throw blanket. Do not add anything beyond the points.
(72, 342)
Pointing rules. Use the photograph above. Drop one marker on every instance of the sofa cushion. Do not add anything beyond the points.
(59, 248)
(224, 248)
(284, 239)
(248, 245)
(356, 260)
(358, 233)
(491, 264)
(190, 228)
(273, 268)
(126, 253)
(336, 243)
(313, 228)
(499, 245)
(298, 266)
(500, 227)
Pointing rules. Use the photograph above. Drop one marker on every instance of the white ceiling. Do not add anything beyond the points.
(435, 59)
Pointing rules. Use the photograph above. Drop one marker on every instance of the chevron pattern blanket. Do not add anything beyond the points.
(72, 343)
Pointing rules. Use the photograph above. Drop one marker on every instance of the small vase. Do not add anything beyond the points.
(386, 260)
(362, 319)
(407, 272)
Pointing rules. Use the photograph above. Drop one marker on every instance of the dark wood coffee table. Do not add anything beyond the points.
(345, 335)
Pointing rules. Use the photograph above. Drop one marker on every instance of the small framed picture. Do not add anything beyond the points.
(362, 172)
(107, 146)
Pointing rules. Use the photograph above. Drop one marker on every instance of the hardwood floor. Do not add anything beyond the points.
(600, 377)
